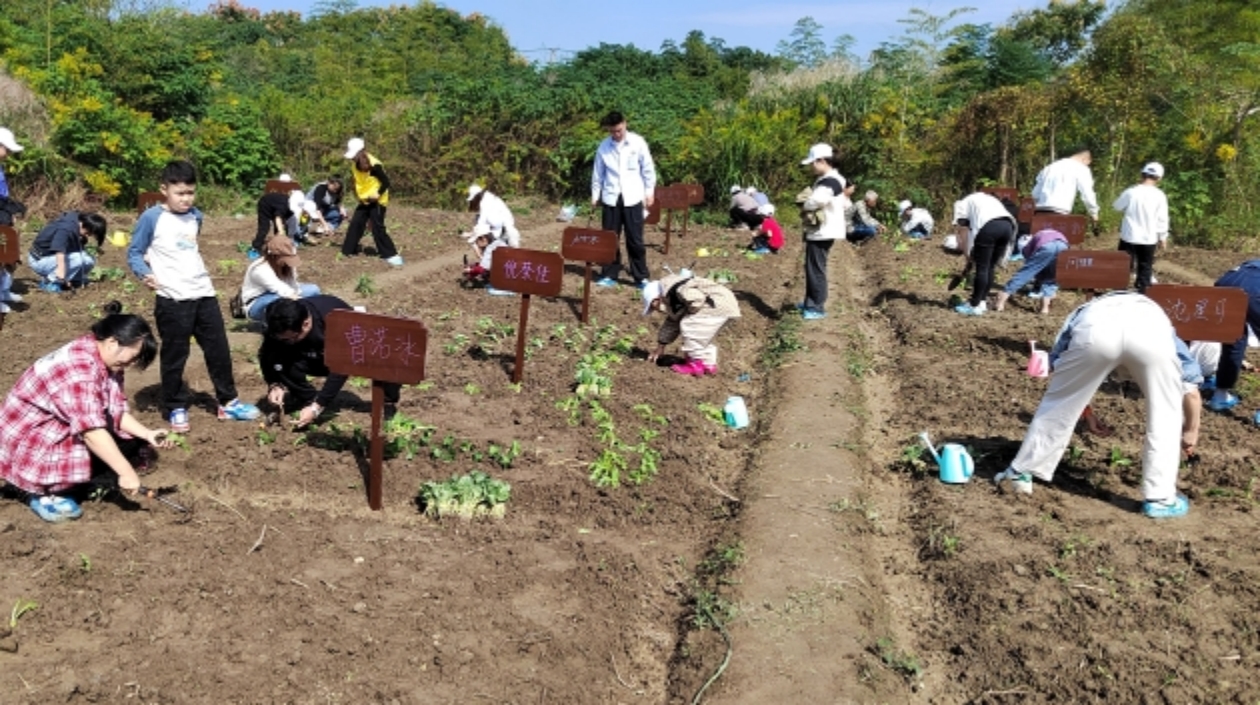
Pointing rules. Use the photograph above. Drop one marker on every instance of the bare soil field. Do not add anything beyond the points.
(281, 585)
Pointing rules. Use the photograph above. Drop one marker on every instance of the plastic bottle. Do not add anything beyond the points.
(736, 413)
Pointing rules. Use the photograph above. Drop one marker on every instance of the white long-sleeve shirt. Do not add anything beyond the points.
(260, 279)
(623, 169)
(1145, 209)
(917, 217)
(1058, 184)
(979, 209)
(828, 198)
(496, 215)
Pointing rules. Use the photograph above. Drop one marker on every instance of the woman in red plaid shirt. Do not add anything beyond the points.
(70, 406)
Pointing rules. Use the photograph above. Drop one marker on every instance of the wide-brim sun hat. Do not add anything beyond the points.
(651, 292)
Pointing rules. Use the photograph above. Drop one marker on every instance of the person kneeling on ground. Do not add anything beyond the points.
(58, 256)
(273, 277)
(1123, 329)
(68, 412)
(916, 223)
(494, 214)
(769, 236)
(327, 195)
(744, 207)
(1040, 255)
(694, 308)
(294, 349)
(484, 243)
(862, 225)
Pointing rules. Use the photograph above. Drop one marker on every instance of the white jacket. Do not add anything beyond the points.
(918, 216)
(831, 203)
(496, 215)
(1058, 184)
(623, 169)
(979, 209)
(1145, 209)
(260, 279)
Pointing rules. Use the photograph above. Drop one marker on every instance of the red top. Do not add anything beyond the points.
(774, 232)
(63, 395)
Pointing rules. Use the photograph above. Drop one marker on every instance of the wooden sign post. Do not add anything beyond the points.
(1002, 192)
(1088, 269)
(384, 349)
(278, 186)
(1027, 209)
(1073, 227)
(670, 199)
(9, 245)
(695, 197)
(1215, 314)
(146, 199)
(590, 247)
(526, 272)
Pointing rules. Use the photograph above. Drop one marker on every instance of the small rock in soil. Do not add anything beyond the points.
(360, 607)
(9, 644)
(1020, 570)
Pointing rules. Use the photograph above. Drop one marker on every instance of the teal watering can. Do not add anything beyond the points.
(955, 463)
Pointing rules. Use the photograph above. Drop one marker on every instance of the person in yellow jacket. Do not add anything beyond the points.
(371, 185)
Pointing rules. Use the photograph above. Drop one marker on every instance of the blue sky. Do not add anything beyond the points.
(536, 25)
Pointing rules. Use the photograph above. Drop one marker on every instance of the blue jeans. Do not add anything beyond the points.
(257, 310)
(78, 264)
(1041, 266)
(861, 233)
(332, 216)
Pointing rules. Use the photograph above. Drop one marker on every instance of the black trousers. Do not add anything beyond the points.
(816, 254)
(752, 219)
(358, 223)
(201, 320)
(629, 219)
(299, 391)
(1143, 257)
(987, 253)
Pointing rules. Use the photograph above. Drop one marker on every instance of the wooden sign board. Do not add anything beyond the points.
(676, 197)
(1214, 314)
(695, 194)
(526, 271)
(1092, 269)
(1073, 227)
(654, 213)
(147, 199)
(1027, 208)
(383, 349)
(9, 245)
(587, 245)
(278, 186)
(1002, 192)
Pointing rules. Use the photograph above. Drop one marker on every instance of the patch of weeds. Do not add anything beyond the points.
(712, 412)
(366, 286)
(912, 457)
(784, 340)
(20, 608)
(901, 662)
(359, 382)
(471, 389)
(459, 343)
(1118, 459)
(942, 542)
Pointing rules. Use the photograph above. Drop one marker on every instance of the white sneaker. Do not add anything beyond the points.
(1021, 482)
(4, 308)
(11, 298)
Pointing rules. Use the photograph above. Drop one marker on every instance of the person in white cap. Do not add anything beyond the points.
(371, 186)
(992, 228)
(1057, 185)
(1122, 329)
(743, 210)
(1145, 224)
(916, 223)
(695, 309)
(623, 184)
(484, 243)
(822, 212)
(493, 213)
(8, 206)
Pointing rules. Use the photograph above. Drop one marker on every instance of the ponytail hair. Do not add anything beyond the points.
(127, 329)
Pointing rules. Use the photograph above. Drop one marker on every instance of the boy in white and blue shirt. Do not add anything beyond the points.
(164, 254)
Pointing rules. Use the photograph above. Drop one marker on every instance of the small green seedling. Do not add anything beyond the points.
(21, 607)
(366, 286)
(712, 412)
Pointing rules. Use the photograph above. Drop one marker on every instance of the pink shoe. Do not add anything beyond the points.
(707, 369)
(694, 368)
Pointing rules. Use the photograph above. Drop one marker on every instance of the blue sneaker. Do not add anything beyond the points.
(761, 251)
(1209, 384)
(55, 509)
(606, 282)
(967, 309)
(1015, 258)
(252, 254)
(179, 420)
(51, 287)
(1222, 403)
(1178, 506)
(813, 314)
(498, 292)
(800, 306)
(237, 410)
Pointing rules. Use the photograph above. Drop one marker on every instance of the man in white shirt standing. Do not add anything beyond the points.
(1145, 224)
(623, 182)
(1058, 184)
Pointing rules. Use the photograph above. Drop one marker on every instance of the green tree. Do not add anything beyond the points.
(805, 45)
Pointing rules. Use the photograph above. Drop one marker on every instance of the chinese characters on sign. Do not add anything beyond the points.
(1088, 269)
(1206, 313)
(526, 271)
(585, 245)
(381, 348)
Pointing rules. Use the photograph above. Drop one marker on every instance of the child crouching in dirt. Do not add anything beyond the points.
(483, 244)
(694, 308)
(769, 236)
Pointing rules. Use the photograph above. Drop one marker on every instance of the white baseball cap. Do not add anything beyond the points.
(473, 191)
(818, 151)
(1153, 169)
(354, 146)
(7, 139)
(285, 177)
(904, 206)
(736, 189)
(750, 190)
(651, 292)
(766, 210)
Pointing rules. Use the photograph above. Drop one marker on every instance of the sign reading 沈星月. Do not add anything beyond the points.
(1206, 313)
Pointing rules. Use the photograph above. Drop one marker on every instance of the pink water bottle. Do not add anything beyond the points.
(1038, 361)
